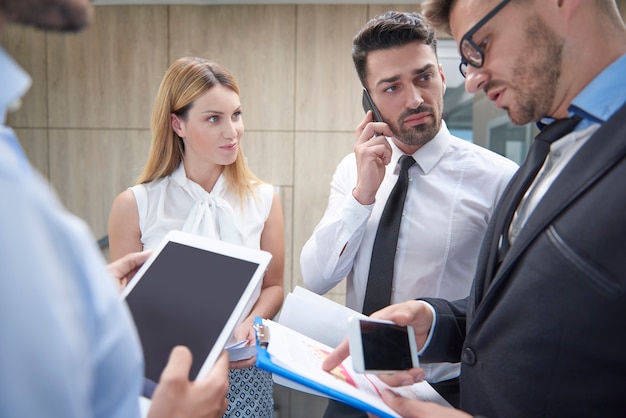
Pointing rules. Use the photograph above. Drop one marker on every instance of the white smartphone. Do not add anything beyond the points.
(381, 346)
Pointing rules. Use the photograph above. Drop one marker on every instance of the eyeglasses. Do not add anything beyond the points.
(471, 53)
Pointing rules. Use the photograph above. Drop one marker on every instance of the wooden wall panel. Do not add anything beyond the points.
(317, 155)
(107, 76)
(270, 155)
(328, 92)
(286, 199)
(90, 167)
(35, 145)
(376, 9)
(256, 43)
(28, 47)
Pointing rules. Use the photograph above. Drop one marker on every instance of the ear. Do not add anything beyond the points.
(562, 12)
(177, 125)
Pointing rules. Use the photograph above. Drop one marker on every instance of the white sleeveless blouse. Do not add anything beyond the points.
(177, 203)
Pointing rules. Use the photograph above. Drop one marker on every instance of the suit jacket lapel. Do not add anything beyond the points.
(488, 256)
(603, 150)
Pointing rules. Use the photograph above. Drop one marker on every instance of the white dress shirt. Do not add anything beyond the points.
(453, 190)
(561, 152)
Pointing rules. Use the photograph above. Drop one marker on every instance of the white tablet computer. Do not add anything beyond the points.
(192, 291)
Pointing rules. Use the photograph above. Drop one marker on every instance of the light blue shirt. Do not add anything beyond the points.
(601, 98)
(596, 103)
(67, 344)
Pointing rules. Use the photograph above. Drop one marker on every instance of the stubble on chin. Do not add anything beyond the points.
(418, 135)
(537, 74)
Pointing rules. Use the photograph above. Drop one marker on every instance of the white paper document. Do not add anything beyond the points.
(298, 357)
(316, 325)
(316, 317)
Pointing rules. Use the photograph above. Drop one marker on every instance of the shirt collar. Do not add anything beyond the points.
(180, 177)
(601, 98)
(430, 153)
(14, 82)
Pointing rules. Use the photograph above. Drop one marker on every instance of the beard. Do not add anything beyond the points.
(417, 135)
(62, 15)
(536, 74)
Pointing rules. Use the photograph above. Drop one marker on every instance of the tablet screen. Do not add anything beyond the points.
(185, 297)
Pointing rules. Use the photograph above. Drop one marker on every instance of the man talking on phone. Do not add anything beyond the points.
(427, 247)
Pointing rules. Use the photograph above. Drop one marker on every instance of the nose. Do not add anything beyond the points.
(415, 99)
(475, 79)
(231, 129)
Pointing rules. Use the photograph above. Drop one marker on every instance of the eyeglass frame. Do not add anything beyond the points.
(468, 38)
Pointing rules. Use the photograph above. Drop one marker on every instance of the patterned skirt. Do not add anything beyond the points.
(251, 394)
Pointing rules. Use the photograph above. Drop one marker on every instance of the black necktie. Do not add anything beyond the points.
(527, 172)
(378, 292)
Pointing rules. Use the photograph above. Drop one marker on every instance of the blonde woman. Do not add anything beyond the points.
(196, 180)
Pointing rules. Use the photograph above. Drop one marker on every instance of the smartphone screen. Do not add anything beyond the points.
(368, 104)
(386, 347)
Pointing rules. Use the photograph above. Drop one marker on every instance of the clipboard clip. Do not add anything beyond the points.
(262, 334)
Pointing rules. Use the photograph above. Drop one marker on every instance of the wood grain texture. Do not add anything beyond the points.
(270, 154)
(312, 178)
(107, 76)
(328, 91)
(90, 167)
(34, 142)
(256, 43)
(28, 47)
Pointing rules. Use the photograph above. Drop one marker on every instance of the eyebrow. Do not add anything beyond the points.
(217, 112)
(418, 71)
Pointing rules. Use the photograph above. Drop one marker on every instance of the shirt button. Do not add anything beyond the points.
(469, 356)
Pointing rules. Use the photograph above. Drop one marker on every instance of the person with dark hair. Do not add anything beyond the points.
(69, 347)
(542, 332)
(452, 188)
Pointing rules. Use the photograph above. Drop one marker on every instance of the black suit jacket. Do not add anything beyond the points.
(543, 334)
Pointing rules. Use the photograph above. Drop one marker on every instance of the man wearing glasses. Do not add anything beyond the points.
(542, 334)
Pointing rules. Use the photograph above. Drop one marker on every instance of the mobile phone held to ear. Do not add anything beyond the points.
(381, 346)
(368, 104)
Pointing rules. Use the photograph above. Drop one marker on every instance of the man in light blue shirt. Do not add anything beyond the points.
(68, 347)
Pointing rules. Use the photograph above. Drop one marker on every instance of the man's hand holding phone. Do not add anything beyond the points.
(372, 151)
(417, 314)
(378, 346)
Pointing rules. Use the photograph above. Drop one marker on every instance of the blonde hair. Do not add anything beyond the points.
(185, 80)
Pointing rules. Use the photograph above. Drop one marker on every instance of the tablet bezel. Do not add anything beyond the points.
(246, 300)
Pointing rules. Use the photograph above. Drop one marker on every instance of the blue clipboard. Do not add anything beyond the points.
(264, 361)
